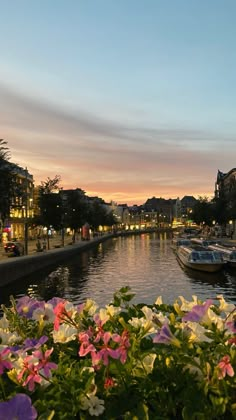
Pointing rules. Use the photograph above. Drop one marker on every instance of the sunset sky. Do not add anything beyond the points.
(125, 99)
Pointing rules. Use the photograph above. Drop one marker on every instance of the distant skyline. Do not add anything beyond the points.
(126, 100)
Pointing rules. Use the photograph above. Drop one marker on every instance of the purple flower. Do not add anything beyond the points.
(55, 300)
(19, 407)
(25, 306)
(198, 312)
(165, 336)
(34, 343)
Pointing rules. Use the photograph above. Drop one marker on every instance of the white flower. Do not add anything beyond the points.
(89, 307)
(194, 368)
(8, 338)
(70, 308)
(224, 306)
(186, 305)
(158, 300)
(147, 326)
(215, 319)
(112, 310)
(103, 315)
(153, 319)
(93, 404)
(196, 332)
(162, 318)
(64, 334)
(4, 323)
(137, 323)
(146, 366)
(149, 314)
(46, 314)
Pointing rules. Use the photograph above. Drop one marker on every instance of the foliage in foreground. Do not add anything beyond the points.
(124, 361)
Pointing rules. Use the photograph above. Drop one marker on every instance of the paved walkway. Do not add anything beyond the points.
(55, 242)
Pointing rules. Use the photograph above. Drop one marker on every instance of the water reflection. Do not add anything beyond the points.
(146, 263)
(224, 281)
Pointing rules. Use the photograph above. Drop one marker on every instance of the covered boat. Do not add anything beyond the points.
(228, 252)
(200, 259)
(176, 242)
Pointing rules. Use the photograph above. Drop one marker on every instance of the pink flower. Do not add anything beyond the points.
(86, 348)
(225, 367)
(105, 352)
(31, 372)
(59, 312)
(232, 340)
(231, 325)
(4, 363)
(44, 363)
(124, 342)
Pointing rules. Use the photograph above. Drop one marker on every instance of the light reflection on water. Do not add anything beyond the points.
(144, 262)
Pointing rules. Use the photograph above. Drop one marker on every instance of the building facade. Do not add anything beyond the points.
(16, 225)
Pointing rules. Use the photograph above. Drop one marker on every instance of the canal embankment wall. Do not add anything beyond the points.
(15, 268)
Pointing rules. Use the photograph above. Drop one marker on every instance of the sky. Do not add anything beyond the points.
(125, 99)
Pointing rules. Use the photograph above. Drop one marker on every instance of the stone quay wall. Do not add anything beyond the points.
(15, 268)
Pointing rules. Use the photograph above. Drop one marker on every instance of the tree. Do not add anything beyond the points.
(6, 184)
(203, 211)
(98, 215)
(76, 208)
(4, 151)
(231, 200)
(49, 202)
(50, 185)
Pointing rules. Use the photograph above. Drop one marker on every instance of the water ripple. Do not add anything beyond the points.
(146, 263)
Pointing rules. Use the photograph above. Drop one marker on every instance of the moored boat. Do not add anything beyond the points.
(176, 242)
(228, 253)
(200, 259)
(203, 242)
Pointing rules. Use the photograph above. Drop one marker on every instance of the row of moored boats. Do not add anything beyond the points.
(204, 255)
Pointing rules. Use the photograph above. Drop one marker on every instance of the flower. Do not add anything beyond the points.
(231, 324)
(165, 336)
(44, 313)
(115, 351)
(4, 362)
(102, 355)
(186, 305)
(19, 407)
(26, 306)
(225, 367)
(109, 383)
(34, 343)
(196, 332)
(89, 306)
(64, 334)
(198, 312)
(44, 364)
(93, 404)
(225, 306)
(158, 300)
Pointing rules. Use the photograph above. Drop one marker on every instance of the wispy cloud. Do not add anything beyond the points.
(112, 160)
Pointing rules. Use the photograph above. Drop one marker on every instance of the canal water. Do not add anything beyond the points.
(144, 262)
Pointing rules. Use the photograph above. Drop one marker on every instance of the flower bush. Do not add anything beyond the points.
(123, 361)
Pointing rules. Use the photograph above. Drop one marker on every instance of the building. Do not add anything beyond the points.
(16, 225)
(225, 182)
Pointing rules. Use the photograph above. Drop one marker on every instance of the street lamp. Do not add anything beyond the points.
(25, 216)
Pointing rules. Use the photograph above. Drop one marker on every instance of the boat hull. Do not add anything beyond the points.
(208, 268)
(200, 259)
